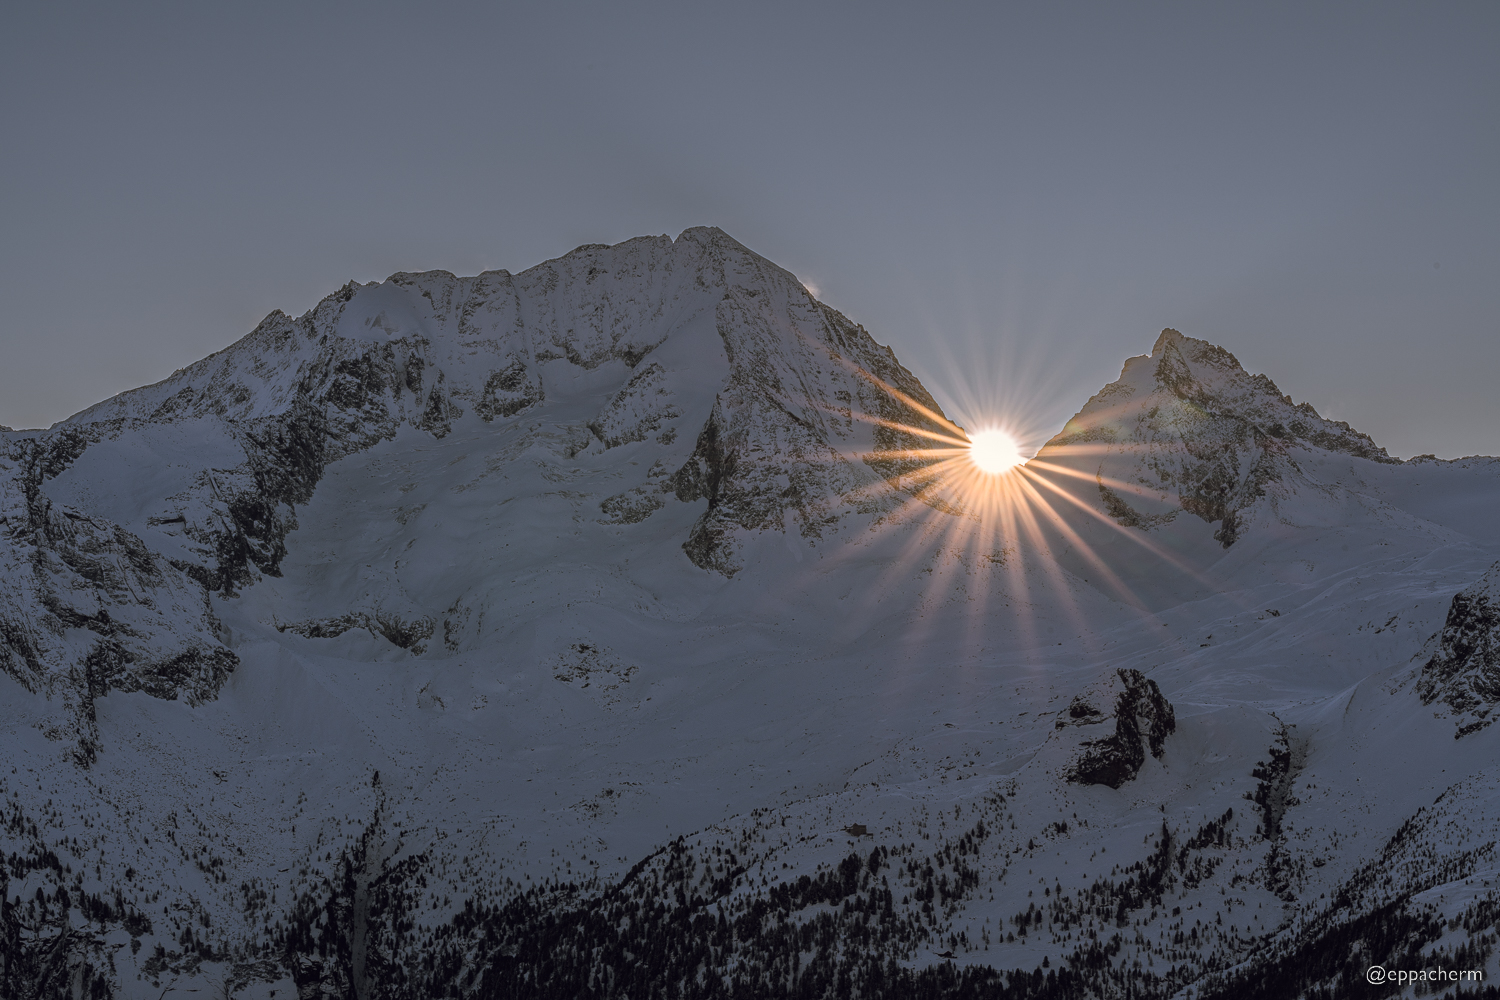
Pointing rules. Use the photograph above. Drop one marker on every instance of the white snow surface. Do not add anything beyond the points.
(486, 650)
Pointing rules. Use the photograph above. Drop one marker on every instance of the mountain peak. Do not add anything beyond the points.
(1168, 336)
(1186, 428)
(689, 376)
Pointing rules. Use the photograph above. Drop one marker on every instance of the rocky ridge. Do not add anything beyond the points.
(1462, 661)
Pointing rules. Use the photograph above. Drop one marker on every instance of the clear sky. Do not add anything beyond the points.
(1015, 197)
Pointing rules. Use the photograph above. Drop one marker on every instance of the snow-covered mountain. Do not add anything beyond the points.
(632, 626)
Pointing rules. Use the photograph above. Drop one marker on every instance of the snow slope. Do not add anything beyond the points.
(626, 627)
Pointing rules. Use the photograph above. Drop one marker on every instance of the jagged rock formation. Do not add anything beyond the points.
(87, 607)
(1462, 667)
(410, 635)
(1187, 429)
(1142, 718)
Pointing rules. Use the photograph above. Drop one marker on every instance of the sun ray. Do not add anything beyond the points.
(1009, 537)
(1098, 477)
(1133, 534)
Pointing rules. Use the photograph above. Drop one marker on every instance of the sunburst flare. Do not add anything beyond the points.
(994, 451)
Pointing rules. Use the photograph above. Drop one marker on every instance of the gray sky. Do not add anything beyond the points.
(1015, 197)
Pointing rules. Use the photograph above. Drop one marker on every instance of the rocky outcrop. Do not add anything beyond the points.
(87, 607)
(1132, 719)
(1462, 662)
(409, 634)
(1187, 429)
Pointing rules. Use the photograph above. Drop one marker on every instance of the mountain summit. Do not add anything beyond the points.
(653, 373)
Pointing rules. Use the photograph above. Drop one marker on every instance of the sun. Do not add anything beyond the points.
(994, 452)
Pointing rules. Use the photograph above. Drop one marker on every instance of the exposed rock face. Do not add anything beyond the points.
(1142, 719)
(1463, 660)
(86, 607)
(412, 635)
(811, 419)
(1188, 429)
